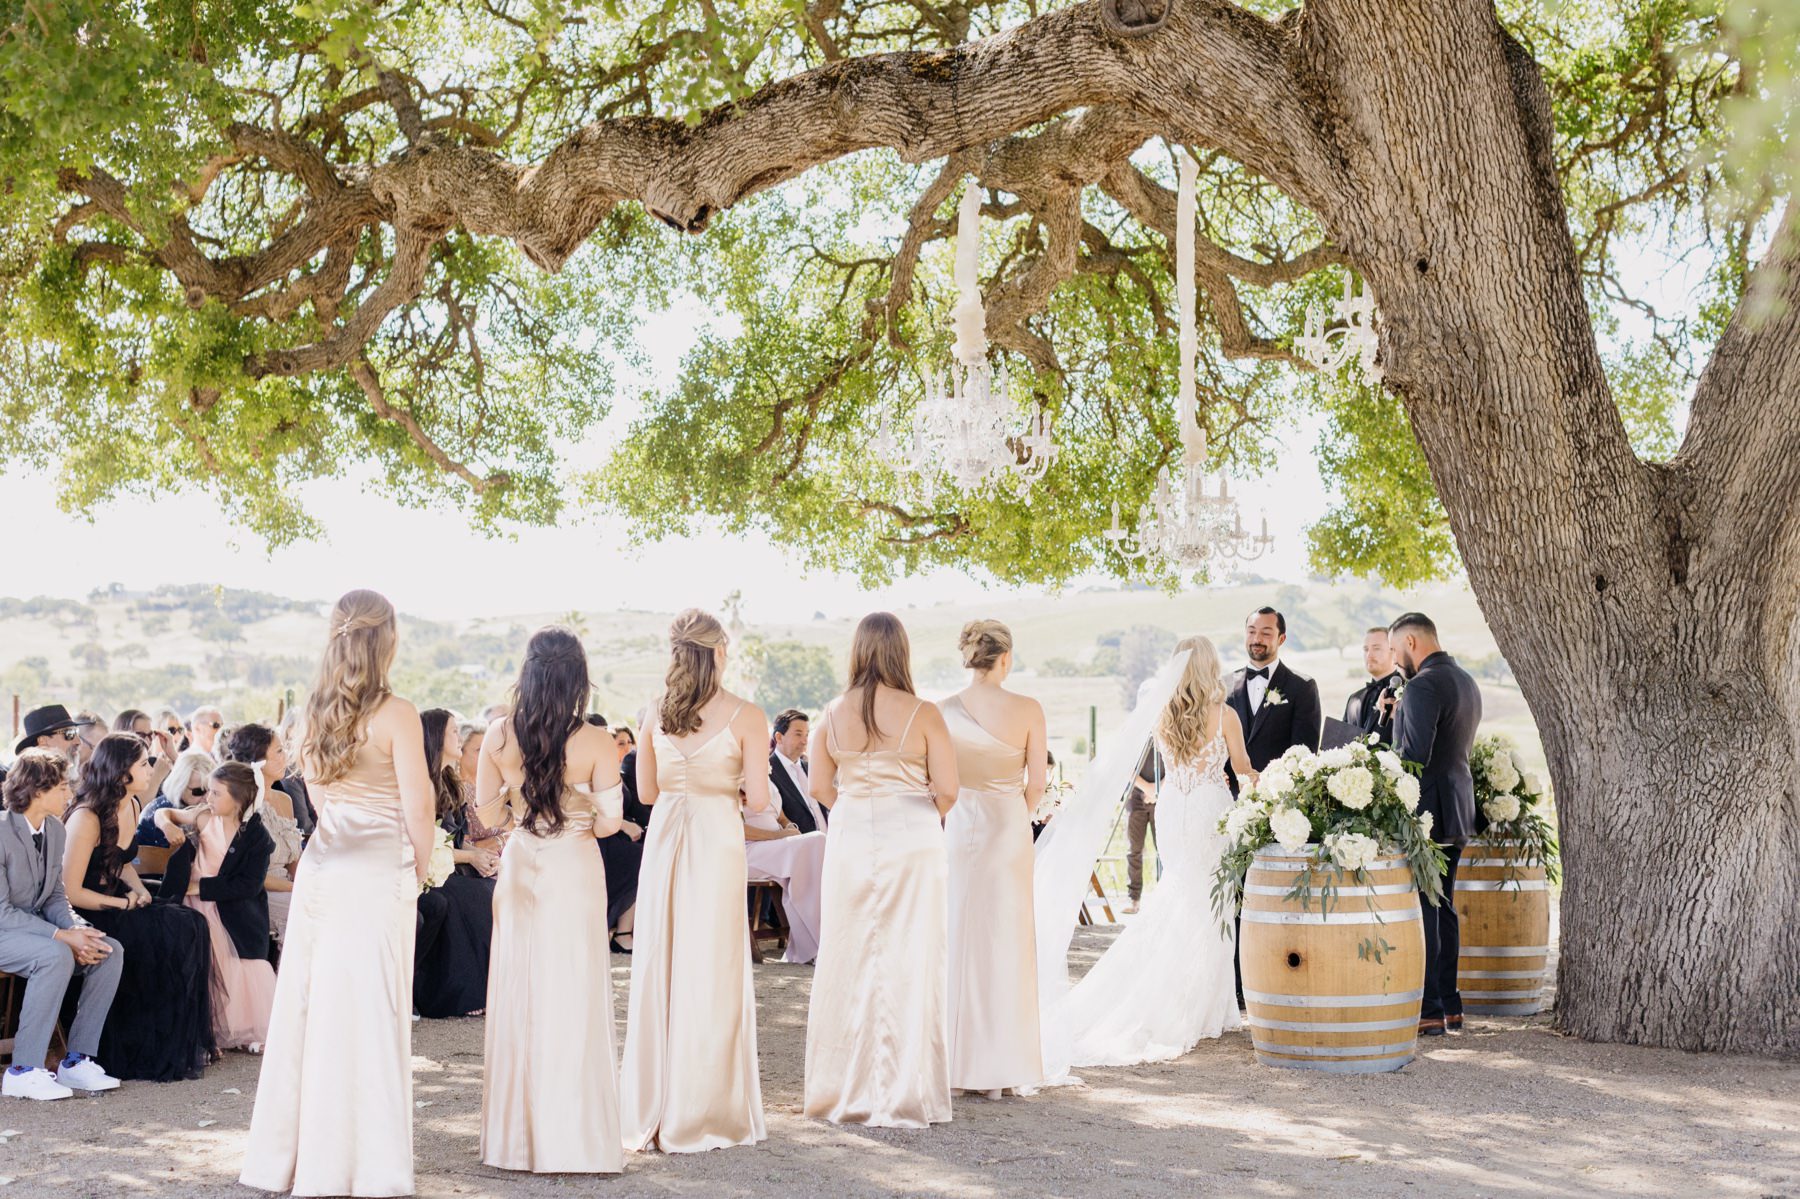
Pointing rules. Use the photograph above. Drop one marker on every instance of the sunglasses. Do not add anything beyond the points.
(71, 735)
(173, 730)
(212, 724)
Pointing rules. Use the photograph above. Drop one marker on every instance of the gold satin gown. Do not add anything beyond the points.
(877, 1049)
(334, 1102)
(550, 1095)
(994, 1040)
(689, 1080)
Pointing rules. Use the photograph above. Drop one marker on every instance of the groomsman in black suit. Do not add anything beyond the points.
(788, 772)
(1434, 726)
(1278, 707)
(1371, 707)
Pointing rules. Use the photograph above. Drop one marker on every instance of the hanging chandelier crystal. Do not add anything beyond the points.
(1182, 524)
(1352, 333)
(968, 430)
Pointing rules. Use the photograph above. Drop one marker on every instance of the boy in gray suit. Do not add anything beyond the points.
(43, 942)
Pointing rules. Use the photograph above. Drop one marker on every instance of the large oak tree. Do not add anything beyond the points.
(241, 247)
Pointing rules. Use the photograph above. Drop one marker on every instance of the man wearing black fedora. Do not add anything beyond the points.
(52, 728)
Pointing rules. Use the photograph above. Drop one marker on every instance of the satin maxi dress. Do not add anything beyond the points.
(689, 1078)
(877, 1049)
(334, 1103)
(550, 1099)
(993, 994)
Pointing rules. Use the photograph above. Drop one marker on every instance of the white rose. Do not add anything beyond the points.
(1353, 787)
(1425, 821)
(1408, 787)
(1533, 784)
(1501, 775)
(1502, 808)
(1291, 827)
(1295, 753)
(1390, 762)
(1353, 851)
(1239, 820)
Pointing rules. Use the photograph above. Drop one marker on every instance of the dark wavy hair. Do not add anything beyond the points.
(547, 705)
(249, 743)
(101, 789)
(446, 782)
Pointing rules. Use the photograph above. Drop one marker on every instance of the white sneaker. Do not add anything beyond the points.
(33, 1084)
(86, 1075)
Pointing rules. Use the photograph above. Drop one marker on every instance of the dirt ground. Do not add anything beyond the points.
(1510, 1108)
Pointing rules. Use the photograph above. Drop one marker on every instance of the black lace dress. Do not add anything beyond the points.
(160, 1026)
(451, 970)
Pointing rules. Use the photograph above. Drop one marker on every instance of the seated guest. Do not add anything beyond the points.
(91, 729)
(175, 728)
(788, 773)
(52, 728)
(775, 851)
(184, 786)
(257, 746)
(163, 751)
(42, 940)
(160, 1027)
(203, 730)
(219, 873)
(623, 852)
(451, 978)
(292, 784)
(487, 827)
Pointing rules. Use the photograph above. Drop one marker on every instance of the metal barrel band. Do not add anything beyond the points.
(1521, 863)
(1295, 865)
(1397, 915)
(1504, 951)
(1522, 993)
(1384, 1065)
(1397, 1047)
(1255, 1021)
(1535, 974)
(1379, 889)
(1524, 884)
(1279, 1000)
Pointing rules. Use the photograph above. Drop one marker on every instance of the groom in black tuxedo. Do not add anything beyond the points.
(1278, 707)
(1434, 726)
(788, 773)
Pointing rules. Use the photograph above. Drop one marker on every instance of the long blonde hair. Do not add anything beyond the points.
(1183, 726)
(693, 676)
(880, 655)
(352, 682)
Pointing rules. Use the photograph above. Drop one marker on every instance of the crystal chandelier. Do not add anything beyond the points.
(968, 429)
(1352, 334)
(1181, 523)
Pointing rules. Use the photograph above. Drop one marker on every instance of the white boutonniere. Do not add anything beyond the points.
(1274, 698)
(1400, 691)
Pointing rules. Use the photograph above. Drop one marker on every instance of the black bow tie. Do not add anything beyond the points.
(37, 841)
(1256, 674)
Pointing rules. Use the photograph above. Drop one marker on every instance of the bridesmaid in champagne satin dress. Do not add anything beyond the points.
(334, 1103)
(877, 1047)
(994, 1041)
(689, 1078)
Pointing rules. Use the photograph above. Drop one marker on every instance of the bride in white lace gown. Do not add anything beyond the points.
(1166, 983)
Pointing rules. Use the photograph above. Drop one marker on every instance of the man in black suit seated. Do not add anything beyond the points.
(1371, 706)
(1434, 726)
(788, 772)
(1278, 707)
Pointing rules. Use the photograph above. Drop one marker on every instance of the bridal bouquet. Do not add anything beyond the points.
(1350, 806)
(442, 862)
(1055, 792)
(1513, 800)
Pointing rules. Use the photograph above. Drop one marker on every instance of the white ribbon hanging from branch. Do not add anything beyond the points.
(969, 317)
(1193, 437)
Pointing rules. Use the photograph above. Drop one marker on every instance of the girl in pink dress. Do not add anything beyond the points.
(224, 864)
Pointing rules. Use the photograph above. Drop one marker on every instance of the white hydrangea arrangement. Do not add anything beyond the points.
(1351, 806)
(1513, 801)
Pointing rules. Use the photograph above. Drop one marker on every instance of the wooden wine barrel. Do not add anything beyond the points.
(1314, 1001)
(1504, 909)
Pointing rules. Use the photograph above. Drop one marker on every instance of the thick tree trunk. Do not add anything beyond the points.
(1681, 902)
(1651, 645)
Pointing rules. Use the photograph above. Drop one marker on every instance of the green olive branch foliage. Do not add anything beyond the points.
(185, 211)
